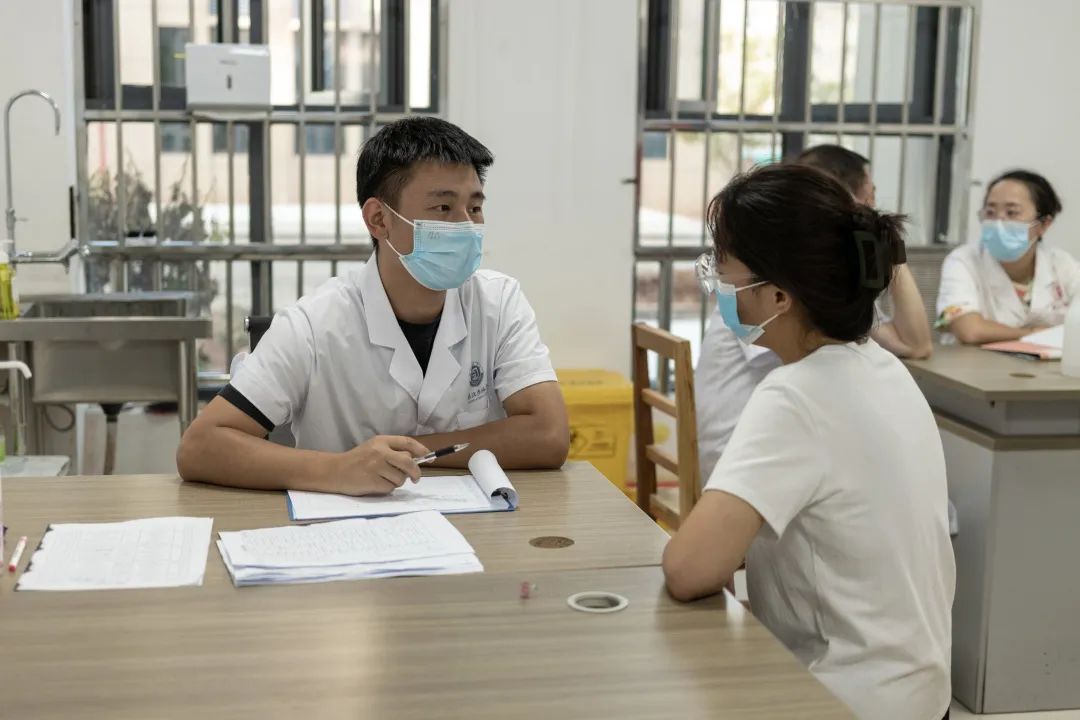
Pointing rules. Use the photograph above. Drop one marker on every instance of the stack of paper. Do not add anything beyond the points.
(150, 553)
(422, 543)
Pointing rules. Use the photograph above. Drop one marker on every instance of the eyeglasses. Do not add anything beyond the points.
(709, 280)
(1011, 215)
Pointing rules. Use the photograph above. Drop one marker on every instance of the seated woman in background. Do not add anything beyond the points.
(1011, 283)
(728, 370)
(833, 485)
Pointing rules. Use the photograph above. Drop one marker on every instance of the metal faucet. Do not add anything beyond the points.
(18, 417)
(71, 248)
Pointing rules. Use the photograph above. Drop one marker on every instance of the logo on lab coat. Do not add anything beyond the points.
(476, 375)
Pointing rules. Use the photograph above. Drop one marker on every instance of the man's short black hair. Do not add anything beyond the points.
(388, 157)
(847, 166)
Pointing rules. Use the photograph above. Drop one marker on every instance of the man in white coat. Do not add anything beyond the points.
(416, 351)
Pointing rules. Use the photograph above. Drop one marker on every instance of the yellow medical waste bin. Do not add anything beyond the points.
(600, 404)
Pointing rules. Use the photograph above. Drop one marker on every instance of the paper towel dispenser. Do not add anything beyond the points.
(226, 76)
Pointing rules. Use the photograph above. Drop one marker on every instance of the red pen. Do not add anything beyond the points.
(17, 555)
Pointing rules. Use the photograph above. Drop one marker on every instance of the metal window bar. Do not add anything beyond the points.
(406, 36)
(841, 101)
(781, 28)
(742, 88)
(264, 304)
(905, 106)
(663, 319)
(196, 206)
(808, 110)
(339, 80)
(230, 142)
(119, 271)
(711, 79)
(373, 72)
(875, 62)
(155, 104)
(639, 136)
(966, 94)
(229, 31)
(151, 107)
(658, 25)
(301, 102)
(939, 85)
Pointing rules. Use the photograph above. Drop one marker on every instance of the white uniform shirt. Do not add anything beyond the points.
(337, 367)
(853, 569)
(973, 281)
(727, 372)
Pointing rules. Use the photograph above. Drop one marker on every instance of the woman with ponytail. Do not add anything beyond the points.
(832, 487)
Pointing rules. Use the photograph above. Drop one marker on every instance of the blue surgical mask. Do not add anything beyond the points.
(1005, 240)
(444, 254)
(728, 305)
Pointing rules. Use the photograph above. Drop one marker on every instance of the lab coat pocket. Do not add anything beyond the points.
(471, 419)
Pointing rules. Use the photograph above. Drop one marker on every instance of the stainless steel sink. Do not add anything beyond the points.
(114, 305)
(103, 317)
(108, 348)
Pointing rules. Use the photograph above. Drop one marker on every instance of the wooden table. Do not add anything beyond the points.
(576, 503)
(442, 647)
(1010, 429)
(438, 647)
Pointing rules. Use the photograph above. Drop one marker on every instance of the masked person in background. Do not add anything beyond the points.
(1009, 284)
(417, 350)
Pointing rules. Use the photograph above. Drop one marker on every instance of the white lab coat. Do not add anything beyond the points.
(973, 281)
(338, 369)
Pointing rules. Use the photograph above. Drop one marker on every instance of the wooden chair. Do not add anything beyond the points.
(660, 505)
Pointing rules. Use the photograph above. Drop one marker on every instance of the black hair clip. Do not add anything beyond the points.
(872, 265)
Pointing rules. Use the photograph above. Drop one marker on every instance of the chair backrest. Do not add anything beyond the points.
(685, 466)
(925, 265)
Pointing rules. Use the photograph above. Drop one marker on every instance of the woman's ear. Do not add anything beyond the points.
(1043, 226)
(781, 300)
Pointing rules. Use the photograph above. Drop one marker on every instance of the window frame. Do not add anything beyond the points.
(101, 97)
(939, 89)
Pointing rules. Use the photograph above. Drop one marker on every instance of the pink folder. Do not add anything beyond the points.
(1029, 350)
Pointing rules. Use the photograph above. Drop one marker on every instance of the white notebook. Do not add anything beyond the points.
(486, 489)
(150, 553)
(1053, 337)
(423, 543)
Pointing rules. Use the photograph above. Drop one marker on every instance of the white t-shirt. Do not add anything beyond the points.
(853, 570)
(338, 369)
(972, 281)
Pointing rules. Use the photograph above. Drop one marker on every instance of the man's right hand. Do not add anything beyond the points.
(375, 467)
